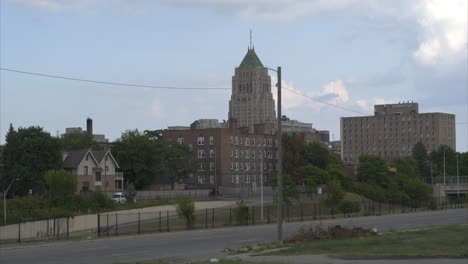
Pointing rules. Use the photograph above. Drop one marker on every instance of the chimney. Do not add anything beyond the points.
(89, 126)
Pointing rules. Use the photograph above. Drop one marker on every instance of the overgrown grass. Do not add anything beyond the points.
(446, 241)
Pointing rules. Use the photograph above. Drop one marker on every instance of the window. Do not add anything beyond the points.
(237, 141)
(241, 140)
(201, 166)
(190, 146)
(247, 166)
(242, 153)
(232, 165)
(247, 154)
(269, 142)
(180, 140)
(211, 179)
(211, 140)
(85, 170)
(247, 141)
(237, 179)
(253, 166)
(232, 152)
(231, 140)
(201, 153)
(200, 140)
(107, 168)
(264, 142)
(253, 141)
(248, 179)
(237, 166)
(201, 179)
(97, 176)
(253, 153)
(233, 178)
(237, 153)
(211, 153)
(85, 187)
(212, 166)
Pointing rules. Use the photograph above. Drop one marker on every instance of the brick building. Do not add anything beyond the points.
(227, 157)
(393, 131)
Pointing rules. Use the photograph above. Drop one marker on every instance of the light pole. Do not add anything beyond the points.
(279, 207)
(4, 199)
(444, 165)
(458, 180)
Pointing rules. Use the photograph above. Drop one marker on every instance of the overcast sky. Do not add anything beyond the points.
(352, 53)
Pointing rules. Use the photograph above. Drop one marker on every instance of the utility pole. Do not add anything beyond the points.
(458, 180)
(261, 187)
(444, 165)
(280, 165)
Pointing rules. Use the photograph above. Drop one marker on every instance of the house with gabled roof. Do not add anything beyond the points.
(94, 169)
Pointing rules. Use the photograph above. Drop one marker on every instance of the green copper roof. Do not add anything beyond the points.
(251, 60)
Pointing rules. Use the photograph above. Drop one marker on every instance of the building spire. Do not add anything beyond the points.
(250, 47)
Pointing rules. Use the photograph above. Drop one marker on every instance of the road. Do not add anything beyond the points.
(203, 244)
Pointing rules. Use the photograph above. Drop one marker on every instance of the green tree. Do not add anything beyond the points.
(186, 209)
(372, 169)
(417, 191)
(335, 193)
(422, 160)
(72, 141)
(463, 164)
(61, 187)
(317, 155)
(27, 155)
(130, 193)
(407, 166)
(290, 190)
(437, 158)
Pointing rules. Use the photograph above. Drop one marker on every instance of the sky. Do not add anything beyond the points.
(350, 53)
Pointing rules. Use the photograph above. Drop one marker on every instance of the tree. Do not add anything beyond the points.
(437, 158)
(372, 169)
(130, 193)
(72, 141)
(463, 164)
(61, 187)
(407, 166)
(290, 190)
(317, 155)
(185, 207)
(144, 156)
(335, 193)
(422, 160)
(27, 155)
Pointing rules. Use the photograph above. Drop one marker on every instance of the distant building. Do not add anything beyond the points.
(251, 99)
(99, 138)
(227, 157)
(93, 169)
(393, 131)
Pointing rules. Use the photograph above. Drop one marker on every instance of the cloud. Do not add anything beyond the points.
(444, 31)
(334, 92)
(367, 105)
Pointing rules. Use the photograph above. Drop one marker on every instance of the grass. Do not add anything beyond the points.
(446, 241)
(221, 261)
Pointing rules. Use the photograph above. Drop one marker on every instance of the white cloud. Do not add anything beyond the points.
(334, 92)
(367, 105)
(157, 109)
(444, 30)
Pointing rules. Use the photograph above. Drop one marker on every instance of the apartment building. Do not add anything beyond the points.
(228, 157)
(393, 131)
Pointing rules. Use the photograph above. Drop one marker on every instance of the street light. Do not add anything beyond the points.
(4, 199)
(458, 180)
(280, 164)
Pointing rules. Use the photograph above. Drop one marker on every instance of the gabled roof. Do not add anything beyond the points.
(251, 60)
(73, 158)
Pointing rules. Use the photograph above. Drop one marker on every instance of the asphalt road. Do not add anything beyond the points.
(203, 244)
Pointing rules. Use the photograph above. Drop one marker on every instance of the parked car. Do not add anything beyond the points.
(119, 197)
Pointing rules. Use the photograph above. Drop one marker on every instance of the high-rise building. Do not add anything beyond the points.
(393, 131)
(251, 99)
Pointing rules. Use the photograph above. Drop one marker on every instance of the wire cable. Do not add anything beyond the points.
(114, 83)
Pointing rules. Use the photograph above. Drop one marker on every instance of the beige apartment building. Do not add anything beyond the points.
(227, 157)
(393, 131)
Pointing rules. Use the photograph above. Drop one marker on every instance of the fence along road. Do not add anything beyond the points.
(203, 244)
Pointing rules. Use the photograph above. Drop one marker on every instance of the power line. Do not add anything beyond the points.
(324, 102)
(113, 83)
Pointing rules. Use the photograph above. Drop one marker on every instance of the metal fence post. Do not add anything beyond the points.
(160, 221)
(315, 211)
(287, 211)
(206, 218)
(107, 224)
(116, 225)
(167, 221)
(230, 216)
(253, 215)
(302, 212)
(48, 227)
(58, 229)
(138, 222)
(268, 213)
(19, 232)
(380, 208)
(247, 215)
(54, 227)
(68, 228)
(212, 218)
(98, 225)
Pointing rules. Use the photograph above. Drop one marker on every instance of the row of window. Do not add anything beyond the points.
(201, 153)
(201, 166)
(86, 170)
(251, 166)
(251, 154)
(251, 141)
(240, 179)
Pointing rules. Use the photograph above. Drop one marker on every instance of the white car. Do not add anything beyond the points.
(119, 197)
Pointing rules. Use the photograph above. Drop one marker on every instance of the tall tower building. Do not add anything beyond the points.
(251, 99)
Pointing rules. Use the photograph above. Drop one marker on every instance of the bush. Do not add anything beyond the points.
(130, 193)
(335, 193)
(241, 213)
(348, 206)
(186, 209)
(91, 202)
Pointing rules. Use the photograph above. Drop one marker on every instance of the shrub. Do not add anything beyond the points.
(335, 193)
(348, 206)
(241, 213)
(186, 209)
(130, 193)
